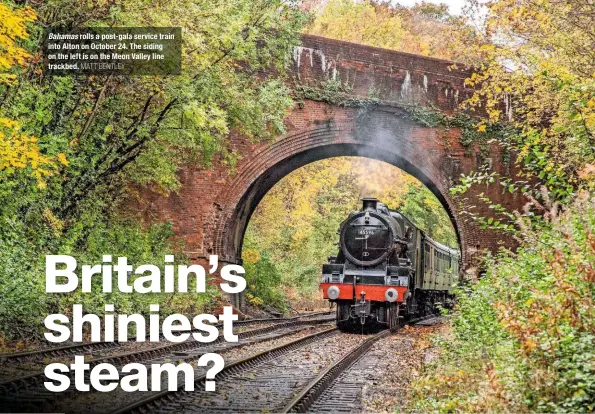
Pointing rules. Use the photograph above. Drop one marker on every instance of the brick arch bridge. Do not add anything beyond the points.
(211, 211)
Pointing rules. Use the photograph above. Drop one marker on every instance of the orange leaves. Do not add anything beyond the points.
(534, 352)
(496, 387)
(587, 173)
(542, 321)
(529, 344)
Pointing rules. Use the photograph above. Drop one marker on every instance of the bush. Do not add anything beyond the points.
(263, 281)
(524, 335)
(24, 302)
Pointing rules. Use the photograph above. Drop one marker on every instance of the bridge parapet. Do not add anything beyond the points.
(390, 76)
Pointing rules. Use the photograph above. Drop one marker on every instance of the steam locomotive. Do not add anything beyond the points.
(386, 270)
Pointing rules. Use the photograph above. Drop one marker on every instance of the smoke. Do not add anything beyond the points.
(381, 180)
(375, 178)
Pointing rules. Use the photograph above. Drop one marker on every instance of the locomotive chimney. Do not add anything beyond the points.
(369, 203)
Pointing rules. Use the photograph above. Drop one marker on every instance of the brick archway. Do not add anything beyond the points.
(398, 147)
(212, 208)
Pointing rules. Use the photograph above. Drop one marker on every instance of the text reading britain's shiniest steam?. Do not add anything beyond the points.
(63, 275)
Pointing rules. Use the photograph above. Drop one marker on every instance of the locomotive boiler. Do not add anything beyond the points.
(386, 270)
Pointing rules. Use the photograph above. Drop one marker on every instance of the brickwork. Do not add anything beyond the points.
(211, 211)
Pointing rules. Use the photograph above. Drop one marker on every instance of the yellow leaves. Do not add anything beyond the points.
(250, 256)
(529, 344)
(254, 300)
(20, 151)
(62, 159)
(9, 123)
(12, 30)
(494, 113)
(375, 24)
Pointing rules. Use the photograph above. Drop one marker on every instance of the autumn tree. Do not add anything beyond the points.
(13, 30)
(536, 72)
(424, 29)
(18, 150)
(523, 335)
(86, 141)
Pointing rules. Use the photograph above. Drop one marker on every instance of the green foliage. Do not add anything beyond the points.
(428, 214)
(474, 131)
(22, 284)
(107, 135)
(105, 124)
(334, 92)
(524, 335)
(264, 282)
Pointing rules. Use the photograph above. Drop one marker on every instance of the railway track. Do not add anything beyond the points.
(320, 372)
(283, 379)
(168, 401)
(310, 394)
(91, 347)
(30, 387)
(98, 403)
(338, 389)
